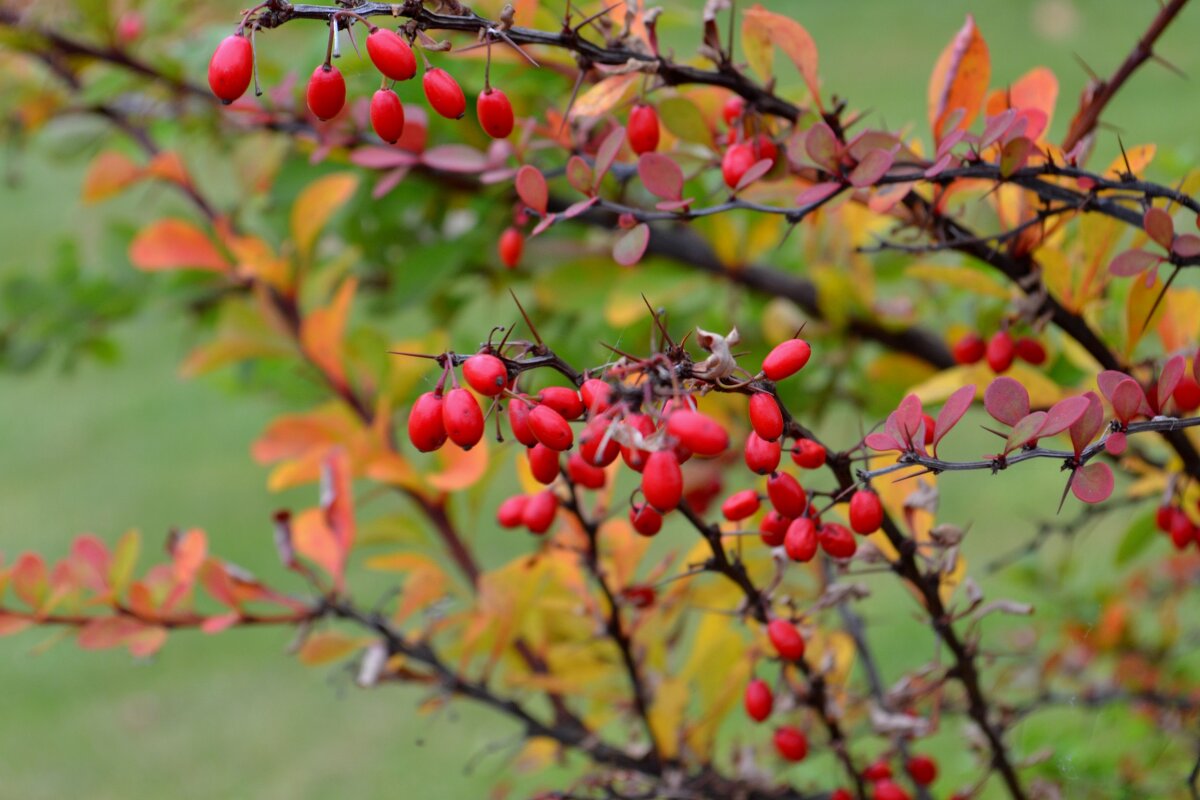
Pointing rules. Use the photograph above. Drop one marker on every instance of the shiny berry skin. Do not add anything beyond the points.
(634, 457)
(543, 463)
(764, 148)
(495, 113)
(841, 794)
(930, 428)
(444, 94)
(740, 505)
(807, 454)
(463, 418)
(773, 528)
(1030, 350)
(591, 440)
(511, 512)
(702, 435)
(765, 416)
(549, 428)
(791, 743)
(391, 55)
(1182, 530)
(762, 456)
(786, 640)
(1187, 394)
(511, 247)
(1000, 352)
(597, 396)
(786, 359)
(485, 373)
(566, 402)
(758, 700)
(877, 771)
(866, 511)
(583, 473)
(662, 480)
(231, 68)
(326, 92)
(733, 109)
(642, 130)
(426, 430)
(800, 542)
(639, 596)
(387, 115)
(645, 520)
(518, 421)
(889, 790)
(539, 511)
(1163, 517)
(970, 349)
(738, 159)
(786, 495)
(922, 769)
(837, 540)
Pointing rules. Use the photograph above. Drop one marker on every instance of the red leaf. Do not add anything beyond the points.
(1159, 226)
(606, 154)
(579, 175)
(1006, 400)
(1186, 245)
(881, 441)
(1063, 415)
(1084, 429)
(456, 158)
(175, 244)
(1127, 400)
(1025, 431)
(531, 187)
(953, 409)
(817, 193)
(575, 209)
(661, 176)
(30, 580)
(1014, 155)
(1172, 374)
(629, 249)
(382, 157)
(959, 81)
(873, 167)
(1133, 262)
(187, 554)
(756, 171)
(1092, 483)
(823, 147)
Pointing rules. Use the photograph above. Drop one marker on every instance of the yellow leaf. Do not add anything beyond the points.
(1141, 299)
(959, 81)
(959, 277)
(108, 174)
(716, 677)
(789, 36)
(950, 580)
(666, 714)
(323, 647)
(1179, 325)
(605, 95)
(323, 330)
(316, 204)
(1135, 160)
(175, 244)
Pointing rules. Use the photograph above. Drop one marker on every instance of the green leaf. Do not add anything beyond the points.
(1136, 539)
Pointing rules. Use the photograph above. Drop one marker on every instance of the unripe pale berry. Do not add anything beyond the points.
(758, 700)
(485, 373)
(642, 130)
(786, 495)
(444, 94)
(539, 511)
(740, 505)
(837, 540)
(662, 480)
(866, 511)
(511, 247)
(808, 454)
(786, 640)
(762, 456)
(463, 418)
(774, 528)
(970, 349)
(387, 115)
(801, 540)
(583, 473)
(543, 463)
(786, 359)
(765, 416)
(426, 430)
(231, 68)
(1000, 351)
(495, 113)
(511, 512)
(645, 520)
(391, 55)
(563, 400)
(518, 421)
(549, 428)
(791, 743)
(698, 433)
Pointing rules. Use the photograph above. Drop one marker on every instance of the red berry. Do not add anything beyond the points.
(791, 743)
(801, 540)
(635, 458)
(597, 396)
(922, 769)
(866, 511)
(595, 434)
(539, 511)
(511, 512)
(463, 418)
(738, 159)
(786, 640)
(426, 430)
(765, 416)
(495, 113)
(808, 454)
(485, 373)
(326, 92)
(387, 115)
(563, 400)
(786, 359)
(786, 495)
(1163, 517)
(645, 520)
(841, 794)
(549, 428)
(231, 68)
(1182, 530)
(762, 456)
(758, 700)
(130, 27)
(512, 245)
(1030, 350)
(733, 109)
(774, 528)
(518, 421)
(930, 428)
(639, 596)
(662, 480)
(889, 790)
(837, 540)
(583, 473)
(740, 505)
(1000, 352)
(1187, 394)
(702, 435)
(444, 94)
(877, 771)
(642, 129)
(970, 349)
(391, 55)
(764, 148)
(543, 463)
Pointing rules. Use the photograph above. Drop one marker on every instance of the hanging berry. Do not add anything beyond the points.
(485, 373)
(645, 520)
(662, 480)
(495, 113)
(326, 92)
(387, 115)
(511, 246)
(765, 416)
(543, 464)
(444, 94)
(642, 130)
(758, 700)
(391, 55)
(549, 428)
(866, 511)
(463, 418)
(970, 349)
(786, 494)
(807, 454)
(539, 511)
(786, 359)
(762, 456)
(800, 542)
(426, 430)
(700, 434)
(786, 640)
(791, 743)
(511, 512)
(1000, 351)
(231, 68)
(740, 505)
(738, 159)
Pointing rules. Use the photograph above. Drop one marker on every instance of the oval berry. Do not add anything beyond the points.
(563, 400)
(662, 480)
(800, 542)
(791, 743)
(596, 447)
(738, 159)
(786, 359)
(539, 511)
(698, 433)
(463, 418)
(597, 396)
(495, 113)
(922, 769)
(786, 495)
(1182, 530)
(583, 473)
(426, 430)
(518, 421)
(877, 771)
(808, 454)
(786, 640)
(511, 512)
(1030, 350)
(549, 428)
(762, 456)
(326, 92)
(733, 109)
(231, 68)
(645, 520)
(765, 416)
(1187, 394)
(758, 700)
(773, 528)
(837, 540)
(511, 247)
(485, 373)
(890, 790)
(635, 458)
(1000, 352)
(740, 505)
(543, 463)
(391, 55)
(387, 115)
(866, 511)
(642, 130)
(970, 349)
(444, 94)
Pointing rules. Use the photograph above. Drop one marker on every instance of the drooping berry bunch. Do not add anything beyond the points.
(1000, 350)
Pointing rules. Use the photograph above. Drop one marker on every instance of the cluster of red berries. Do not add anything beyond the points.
(1174, 521)
(1000, 350)
(232, 67)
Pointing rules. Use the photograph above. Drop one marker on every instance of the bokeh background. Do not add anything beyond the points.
(105, 447)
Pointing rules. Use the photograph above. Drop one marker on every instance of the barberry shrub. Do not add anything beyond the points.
(703, 563)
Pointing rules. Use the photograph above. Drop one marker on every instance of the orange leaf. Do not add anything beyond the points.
(959, 81)
(325, 646)
(606, 94)
(462, 467)
(175, 244)
(1134, 160)
(790, 37)
(316, 204)
(1036, 89)
(188, 554)
(11, 623)
(109, 174)
(314, 540)
(337, 500)
(30, 580)
(322, 331)
(168, 166)
(296, 435)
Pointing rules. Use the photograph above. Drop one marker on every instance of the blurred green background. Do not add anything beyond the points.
(107, 448)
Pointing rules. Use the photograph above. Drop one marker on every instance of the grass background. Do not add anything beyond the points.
(105, 449)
